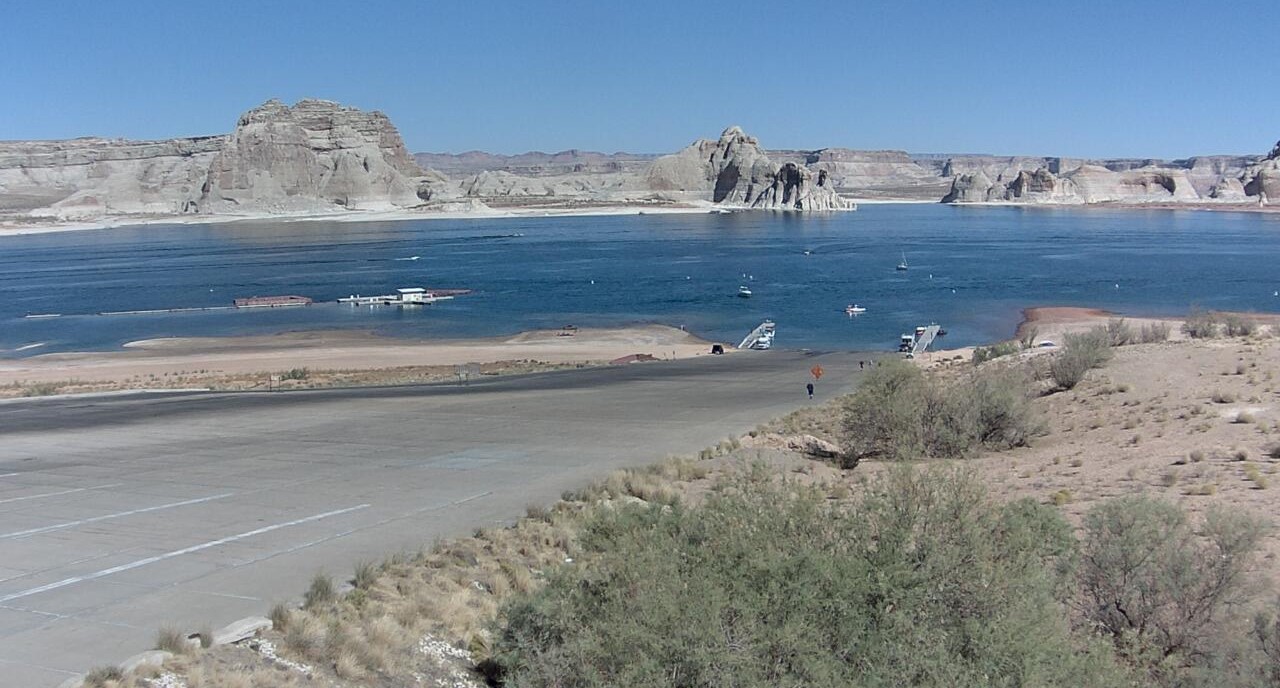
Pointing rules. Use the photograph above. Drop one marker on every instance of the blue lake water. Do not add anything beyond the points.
(972, 271)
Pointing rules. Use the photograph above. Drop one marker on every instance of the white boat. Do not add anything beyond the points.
(744, 292)
(903, 264)
(854, 309)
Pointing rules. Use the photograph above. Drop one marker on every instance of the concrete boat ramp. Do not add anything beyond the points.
(122, 514)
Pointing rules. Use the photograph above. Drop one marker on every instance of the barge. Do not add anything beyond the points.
(272, 301)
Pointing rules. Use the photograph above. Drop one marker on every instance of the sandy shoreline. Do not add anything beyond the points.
(14, 229)
(195, 359)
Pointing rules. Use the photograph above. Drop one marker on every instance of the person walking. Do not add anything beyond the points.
(809, 387)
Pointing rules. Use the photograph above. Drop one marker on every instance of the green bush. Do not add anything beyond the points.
(1081, 353)
(899, 413)
(295, 374)
(922, 582)
(982, 354)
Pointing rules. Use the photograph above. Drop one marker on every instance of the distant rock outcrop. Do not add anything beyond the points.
(1061, 181)
(1262, 181)
(733, 170)
(316, 156)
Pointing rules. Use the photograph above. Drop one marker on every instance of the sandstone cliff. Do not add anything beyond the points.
(535, 163)
(1200, 180)
(316, 156)
(1262, 181)
(733, 170)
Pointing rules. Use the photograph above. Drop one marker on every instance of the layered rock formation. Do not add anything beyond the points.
(733, 170)
(1262, 180)
(534, 163)
(316, 156)
(291, 158)
(1210, 179)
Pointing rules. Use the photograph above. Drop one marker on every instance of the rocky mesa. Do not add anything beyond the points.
(316, 156)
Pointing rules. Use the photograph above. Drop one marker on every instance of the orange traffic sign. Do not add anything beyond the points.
(817, 372)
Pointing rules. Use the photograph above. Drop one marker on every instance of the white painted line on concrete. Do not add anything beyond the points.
(106, 517)
(61, 492)
(175, 553)
(352, 531)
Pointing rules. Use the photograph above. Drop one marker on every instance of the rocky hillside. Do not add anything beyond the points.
(316, 156)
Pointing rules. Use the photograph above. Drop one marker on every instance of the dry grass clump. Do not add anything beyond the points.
(320, 593)
(1203, 490)
(1154, 332)
(1223, 397)
(170, 639)
(103, 676)
(1254, 475)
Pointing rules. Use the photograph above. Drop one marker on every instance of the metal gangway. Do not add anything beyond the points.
(924, 338)
(760, 338)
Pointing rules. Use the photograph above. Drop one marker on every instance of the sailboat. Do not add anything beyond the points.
(903, 265)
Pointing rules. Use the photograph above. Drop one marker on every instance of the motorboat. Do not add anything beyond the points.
(854, 309)
(744, 292)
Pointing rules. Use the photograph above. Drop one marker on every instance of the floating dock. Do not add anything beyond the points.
(411, 296)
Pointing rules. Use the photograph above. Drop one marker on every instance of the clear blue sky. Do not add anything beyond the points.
(1082, 78)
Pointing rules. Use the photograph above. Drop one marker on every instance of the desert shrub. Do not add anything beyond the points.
(1200, 324)
(366, 574)
(982, 354)
(1081, 353)
(1160, 590)
(1237, 326)
(1029, 337)
(170, 639)
(922, 581)
(321, 592)
(1119, 333)
(1154, 332)
(1266, 640)
(295, 374)
(103, 676)
(899, 413)
(884, 417)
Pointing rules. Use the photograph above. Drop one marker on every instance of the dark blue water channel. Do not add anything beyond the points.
(971, 269)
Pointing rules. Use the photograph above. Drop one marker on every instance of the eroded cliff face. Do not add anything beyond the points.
(1211, 179)
(1262, 181)
(735, 171)
(316, 156)
(314, 153)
